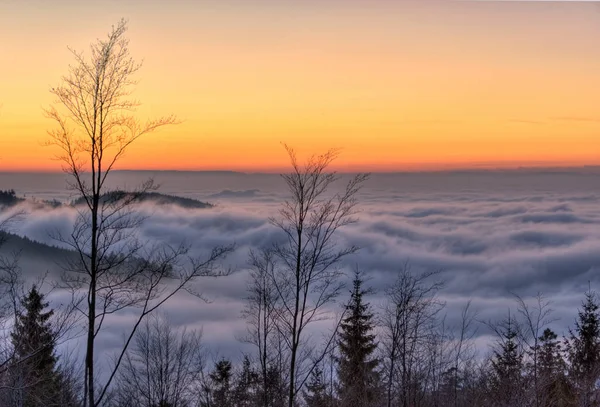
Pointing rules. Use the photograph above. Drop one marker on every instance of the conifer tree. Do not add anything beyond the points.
(357, 368)
(583, 349)
(316, 394)
(507, 366)
(277, 388)
(245, 392)
(221, 379)
(555, 389)
(34, 369)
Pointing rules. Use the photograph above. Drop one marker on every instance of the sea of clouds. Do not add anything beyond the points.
(491, 235)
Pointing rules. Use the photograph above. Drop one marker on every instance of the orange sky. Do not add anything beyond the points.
(396, 84)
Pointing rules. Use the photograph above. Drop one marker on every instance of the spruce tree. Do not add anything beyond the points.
(583, 349)
(316, 394)
(34, 367)
(277, 389)
(221, 381)
(555, 389)
(357, 368)
(245, 393)
(507, 366)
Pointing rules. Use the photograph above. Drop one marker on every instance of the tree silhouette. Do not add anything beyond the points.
(315, 394)
(583, 350)
(245, 393)
(357, 368)
(507, 365)
(220, 390)
(114, 271)
(554, 385)
(34, 367)
(306, 275)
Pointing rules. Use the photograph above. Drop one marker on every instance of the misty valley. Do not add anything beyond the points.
(464, 280)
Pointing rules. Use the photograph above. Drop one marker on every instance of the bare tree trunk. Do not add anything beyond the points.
(536, 318)
(95, 128)
(408, 320)
(297, 296)
(306, 277)
(91, 328)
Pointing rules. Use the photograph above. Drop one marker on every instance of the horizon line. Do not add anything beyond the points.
(475, 169)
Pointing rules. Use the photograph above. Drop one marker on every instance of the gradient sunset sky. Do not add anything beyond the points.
(396, 84)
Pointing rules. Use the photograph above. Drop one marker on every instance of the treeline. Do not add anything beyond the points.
(9, 198)
(401, 354)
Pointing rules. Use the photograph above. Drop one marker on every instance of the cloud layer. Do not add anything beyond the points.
(490, 235)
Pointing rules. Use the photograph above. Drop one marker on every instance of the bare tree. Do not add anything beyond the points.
(408, 327)
(306, 275)
(260, 315)
(463, 352)
(162, 366)
(114, 270)
(535, 318)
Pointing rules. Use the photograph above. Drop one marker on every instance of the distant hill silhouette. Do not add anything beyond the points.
(36, 258)
(153, 197)
(227, 193)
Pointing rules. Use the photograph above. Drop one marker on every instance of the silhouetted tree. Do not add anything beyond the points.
(409, 323)
(555, 389)
(36, 380)
(535, 317)
(221, 378)
(246, 392)
(316, 393)
(358, 378)
(507, 382)
(114, 270)
(162, 365)
(583, 350)
(260, 315)
(277, 387)
(306, 276)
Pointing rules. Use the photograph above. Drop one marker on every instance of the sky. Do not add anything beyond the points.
(396, 85)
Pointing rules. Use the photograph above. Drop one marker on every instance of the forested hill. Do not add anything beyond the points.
(34, 258)
(9, 198)
(152, 197)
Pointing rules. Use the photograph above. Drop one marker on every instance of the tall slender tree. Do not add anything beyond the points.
(259, 313)
(409, 323)
(114, 270)
(357, 367)
(306, 275)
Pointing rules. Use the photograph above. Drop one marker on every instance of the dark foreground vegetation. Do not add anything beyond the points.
(402, 354)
